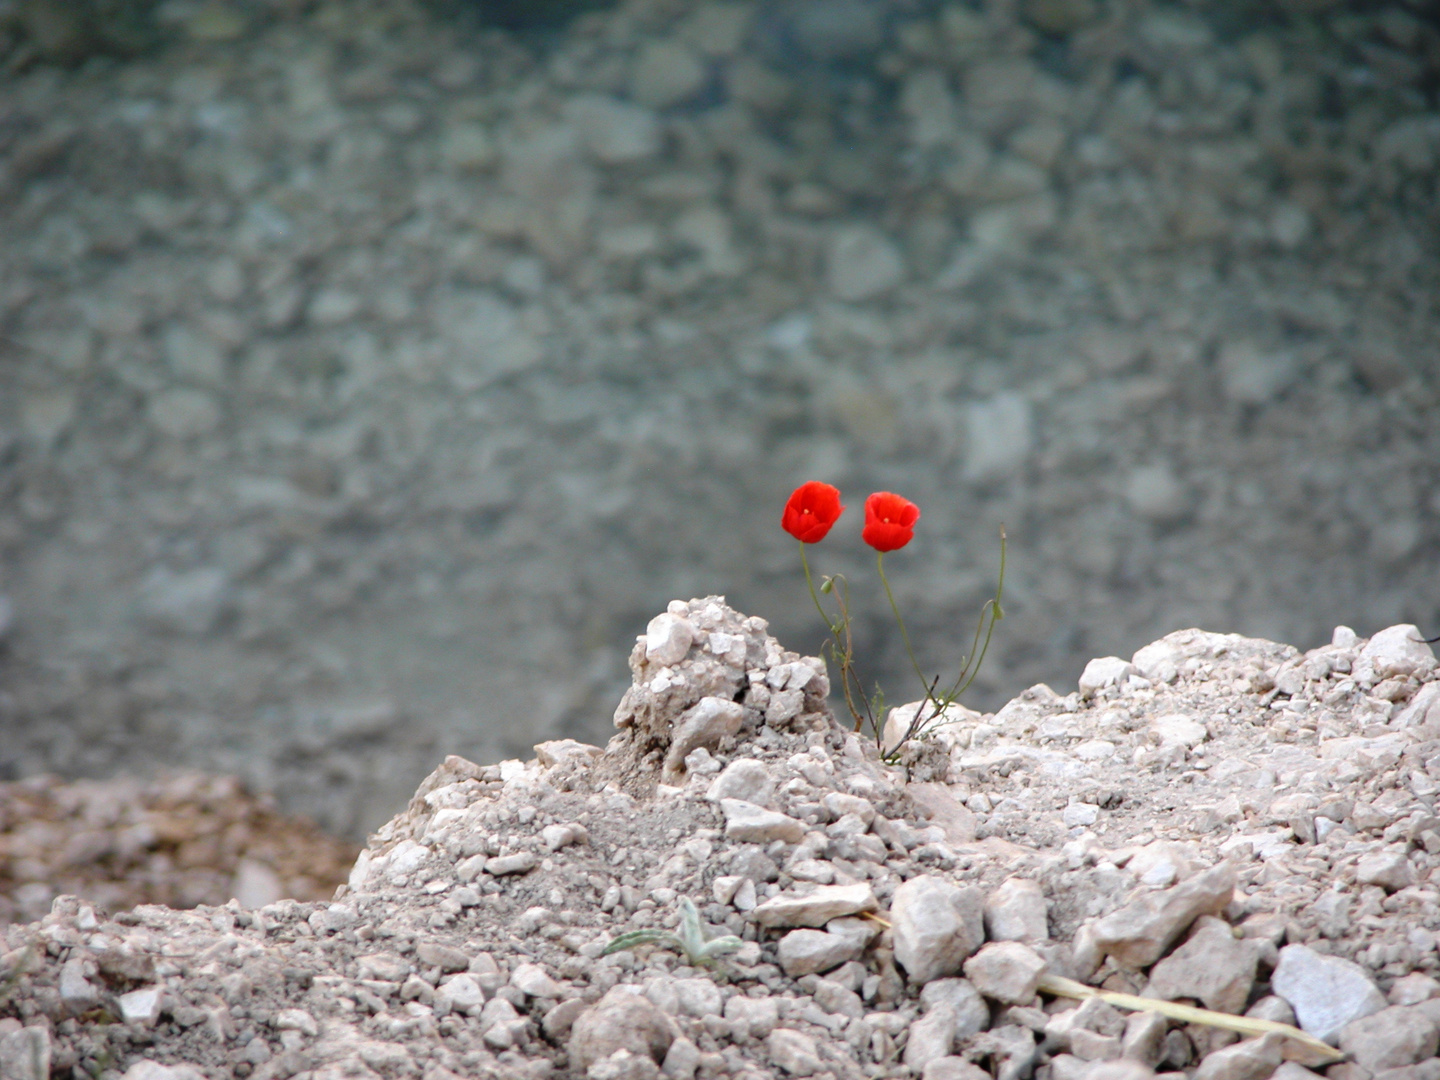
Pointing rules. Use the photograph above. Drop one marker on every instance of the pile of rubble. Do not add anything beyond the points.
(186, 840)
(1220, 821)
(363, 370)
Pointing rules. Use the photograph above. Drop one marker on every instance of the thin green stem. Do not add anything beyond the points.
(904, 634)
(810, 584)
(996, 613)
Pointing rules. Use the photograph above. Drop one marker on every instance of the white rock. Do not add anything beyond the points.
(863, 263)
(1397, 648)
(300, 1020)
(1104, 671)
(145, 1069)
(1006, 971)
(667, 639)
(458, 993)
(932, 1037)
(755, 1016)
(808, 952)
(533, 981)
(815, 908)
(936, 926)
(971, 1011)
(793, 1051)
(76, 991)
(1174, 729)
(141, 1007)
(1326, 992)
(1017, 911)
(748, 823)
(704, 724)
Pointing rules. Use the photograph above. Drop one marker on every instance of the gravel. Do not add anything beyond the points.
(416, 967)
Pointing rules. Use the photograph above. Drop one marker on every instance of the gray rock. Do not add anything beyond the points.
(807, 952)
(748, 823)
(1104, 671)
(185, 602)
(1390, 1038)
(793, 1051)
(665, 74)
(1326, 992)
(1212, 965)
(521, 862)
(1413, 989)
(681, 1060)
(1252, 1059)
(1092, 1046)
(1397, 648)
(621, 1020)
(1253, 375)
(757, 1016)
(1144, 1038)
(745, 779)
(863, 263)
(533, 981)
(972, 1014)
(1117, 1070)
(145, 1069)
(1137, 934)
(76, 991)
(815, 908)
(615, 132)
(702, 725)
(623, 1064)
(25, 1055)
(953, 1068)
(1006, 971)
(936, 926)
(1017, 911)
(932, 1037)
(1391, 870)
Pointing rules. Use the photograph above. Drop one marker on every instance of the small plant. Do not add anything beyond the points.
(812, 510)
(691, 941)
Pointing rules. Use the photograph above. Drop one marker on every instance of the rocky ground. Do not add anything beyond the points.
(186, 840)
(366, 373)
(1221, 821)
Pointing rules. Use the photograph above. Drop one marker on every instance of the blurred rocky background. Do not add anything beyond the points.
(371, 371)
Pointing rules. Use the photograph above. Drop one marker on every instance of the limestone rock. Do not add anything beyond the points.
(1139, 932)
(1212, 966)
(621, 1020)
(936, 925)
(1017, 911)
(748, 823)
(1390, 1038)
(1326, 992)
(815, 908)
(1006, 971)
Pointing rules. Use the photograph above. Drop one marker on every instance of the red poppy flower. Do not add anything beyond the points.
(889, 521)
(812, 509)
